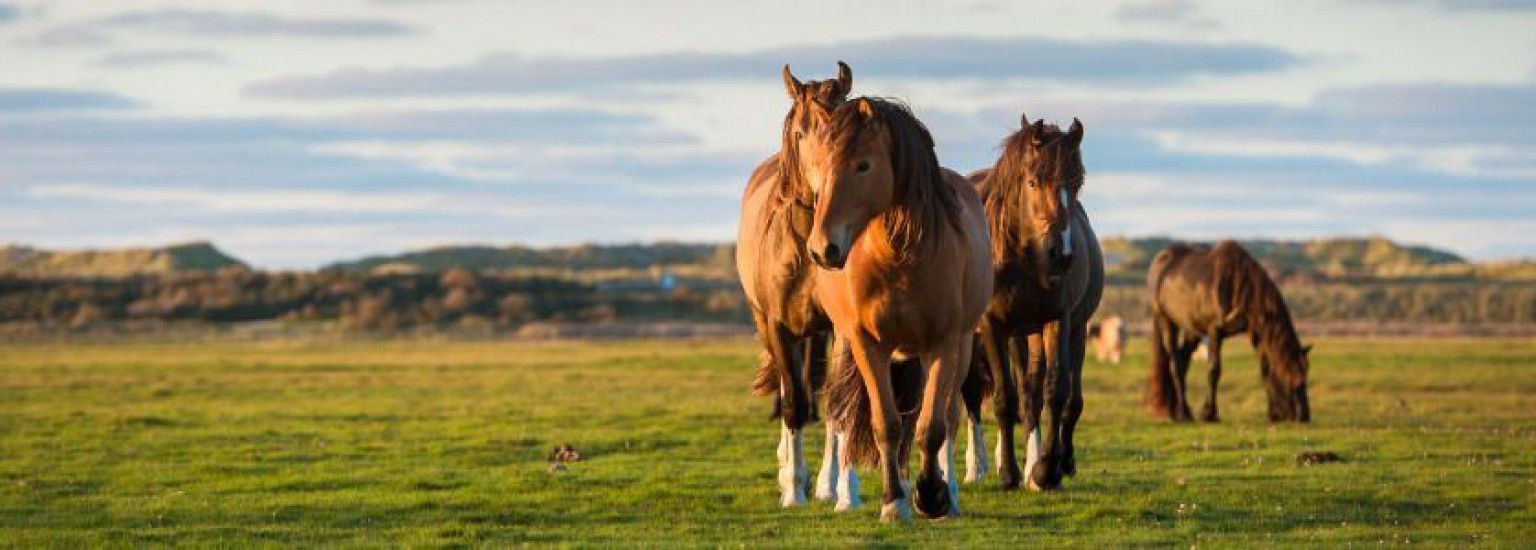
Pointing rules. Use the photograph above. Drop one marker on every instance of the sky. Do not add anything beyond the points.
(294, 133)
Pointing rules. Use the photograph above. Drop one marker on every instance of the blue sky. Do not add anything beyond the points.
(293, 133)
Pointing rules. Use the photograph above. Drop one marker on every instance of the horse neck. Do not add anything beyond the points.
(1275, 334)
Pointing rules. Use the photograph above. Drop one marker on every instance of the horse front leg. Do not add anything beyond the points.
(838, 480)
(1045, 474)
(793, 476)
(937, 487)
(1213, 348)
(1029, 351)
(971, 392)
(1005, 401)
(874, 364)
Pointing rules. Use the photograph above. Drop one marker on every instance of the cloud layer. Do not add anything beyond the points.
(1125, 62)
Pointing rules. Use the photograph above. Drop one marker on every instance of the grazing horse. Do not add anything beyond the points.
(1209, 293)
(902, 248)
(776, 277)
(1048, 274)
(1108, 339)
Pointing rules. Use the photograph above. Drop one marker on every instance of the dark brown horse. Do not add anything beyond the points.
(1048, 278)
(1202, 292)
(901, 245)
(776, 277)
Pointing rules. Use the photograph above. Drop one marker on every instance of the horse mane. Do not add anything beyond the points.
(923, 200)
(1004, 199)
(828, 94)
(1255, 296)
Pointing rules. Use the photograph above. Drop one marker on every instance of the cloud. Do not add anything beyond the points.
(1471, 5)
(1182, 12)
(223, 23)
(240, 200)
(8, 13)
(67, 36)
(52, 99)
(146, 58)
(1122, 62)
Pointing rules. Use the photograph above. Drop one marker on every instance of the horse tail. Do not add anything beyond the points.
(850, 412)
(978, 382)
(766, 381)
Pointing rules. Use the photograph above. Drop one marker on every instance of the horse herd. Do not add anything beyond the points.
(935, 291)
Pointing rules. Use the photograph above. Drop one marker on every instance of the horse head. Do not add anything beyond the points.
(1052, 174)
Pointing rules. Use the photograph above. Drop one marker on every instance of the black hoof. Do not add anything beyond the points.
(932, 496)
(1069, 467)
(1008, 476)
(1043, 478)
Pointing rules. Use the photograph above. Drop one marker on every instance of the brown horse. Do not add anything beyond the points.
(902, 246)
(1210, 293)
(1048, 276)
(776, 277)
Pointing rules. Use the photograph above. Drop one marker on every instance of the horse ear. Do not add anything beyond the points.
(1023, 120)
(1306, 350)
(1075, 133)
(792, 84)
(844, 78)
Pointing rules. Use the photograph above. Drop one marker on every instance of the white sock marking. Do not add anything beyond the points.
(975, 453)
(848, 482)
(826, 478)
(1032, 453)
(792, 472)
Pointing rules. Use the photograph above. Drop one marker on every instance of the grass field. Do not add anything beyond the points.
(444, 443)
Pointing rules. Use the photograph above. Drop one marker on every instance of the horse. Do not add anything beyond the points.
(1048, 279)
(900, 246)
(1108, 339)
(1210, 293)
(775, 275)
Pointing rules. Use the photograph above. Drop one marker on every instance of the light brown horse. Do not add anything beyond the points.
(776, 277)
(1209, 293)
(902, 246)
(1048, 279)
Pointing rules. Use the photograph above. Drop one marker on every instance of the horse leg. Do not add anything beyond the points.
(875, 367)
(1029, 350)
(1077, 352)
(1005, 401)
(936, 481)
(971, 392)
(1181, 360)
(816, 363)
(1213, 349)
(792, 471)
(1162, 395)
(1045, 475)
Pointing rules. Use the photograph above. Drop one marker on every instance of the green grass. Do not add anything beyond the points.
(430, 444)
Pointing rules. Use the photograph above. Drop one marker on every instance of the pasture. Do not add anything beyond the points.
(432, 443)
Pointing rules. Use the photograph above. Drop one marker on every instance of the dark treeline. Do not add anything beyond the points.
(456, 298)
(503, 301)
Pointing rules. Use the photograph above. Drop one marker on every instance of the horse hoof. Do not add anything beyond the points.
(847, 505)
(975, 476)
(896, 511)
(792, 499)
(932, 497)
(1008, 477)
(1041, 479)
(1069, 467)
(826, 492)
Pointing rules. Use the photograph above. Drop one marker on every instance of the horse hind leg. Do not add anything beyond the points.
(1208, 413)
(1074, 409)
(973, 391)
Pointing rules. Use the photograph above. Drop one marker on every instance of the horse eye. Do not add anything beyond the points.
(862, 167)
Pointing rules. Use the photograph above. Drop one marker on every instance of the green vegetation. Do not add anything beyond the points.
(195, 256)
(425, 443)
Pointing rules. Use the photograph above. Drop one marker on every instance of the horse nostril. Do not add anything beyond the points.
(832, 253)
